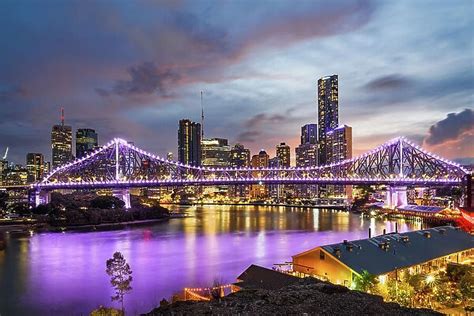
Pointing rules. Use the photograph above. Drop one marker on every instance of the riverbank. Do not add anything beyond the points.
(336, 207)
(44, 227)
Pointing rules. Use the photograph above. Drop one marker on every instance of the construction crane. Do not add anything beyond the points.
(6, 154)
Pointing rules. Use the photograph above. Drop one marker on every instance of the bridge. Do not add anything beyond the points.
(120, 166)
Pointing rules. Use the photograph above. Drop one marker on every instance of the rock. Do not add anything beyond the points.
(304, 298)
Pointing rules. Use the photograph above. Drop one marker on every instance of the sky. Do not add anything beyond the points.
(133, 69)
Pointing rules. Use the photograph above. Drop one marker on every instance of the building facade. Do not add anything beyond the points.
(339, 144)
(189, 142)
(86, 141)
(35, 166)
(215, 153)
(239, 156)
(61, 144)
(309, 134)
(283, 154)
(387, 256)
(328, 112)
(259, 191)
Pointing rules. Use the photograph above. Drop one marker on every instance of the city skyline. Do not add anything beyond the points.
(248, 84)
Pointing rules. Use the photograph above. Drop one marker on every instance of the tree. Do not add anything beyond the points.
(366, 282)
(120, 277)
(3, 200)
(466, 287)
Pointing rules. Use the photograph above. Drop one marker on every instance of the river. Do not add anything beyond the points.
(64, 273)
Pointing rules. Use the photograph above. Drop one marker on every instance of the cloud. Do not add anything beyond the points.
(145, 78)
(450, 128)
(248, 136)
(388, 82)
(9, 92)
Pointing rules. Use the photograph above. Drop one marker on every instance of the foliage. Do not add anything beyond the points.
(466, 286)
(366, 282)
(120, 276)
(401, 292)
(456, 272)
(3, 200)
(106, 311)
(107, 202)
(19, 208)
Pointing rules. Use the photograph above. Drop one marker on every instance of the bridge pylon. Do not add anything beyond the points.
(396, 196)
(124, 195)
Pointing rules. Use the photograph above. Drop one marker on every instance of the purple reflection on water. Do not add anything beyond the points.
(65, 273)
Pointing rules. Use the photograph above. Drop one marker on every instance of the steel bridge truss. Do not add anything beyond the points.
(120, 164)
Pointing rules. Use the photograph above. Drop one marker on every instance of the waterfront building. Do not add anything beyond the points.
(257, 277)
(283, 154)
(328, 112)
(86, 141)
(61, 143)
(275, 190)
(387, 256)
(215, 152)
(35, 166)
(339, 148)
(189, 142)
(259, 191)
(309, 134)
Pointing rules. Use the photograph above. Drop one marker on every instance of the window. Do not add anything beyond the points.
(322, 256)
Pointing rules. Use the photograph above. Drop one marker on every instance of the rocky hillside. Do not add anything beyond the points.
(304, 298)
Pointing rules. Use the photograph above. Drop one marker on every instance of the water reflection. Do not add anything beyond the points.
(65, 273)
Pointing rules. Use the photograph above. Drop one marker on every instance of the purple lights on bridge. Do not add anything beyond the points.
(119, 164)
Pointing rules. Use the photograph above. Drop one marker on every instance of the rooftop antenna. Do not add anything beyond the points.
(6, 154)
(202, 118)
(62, 116)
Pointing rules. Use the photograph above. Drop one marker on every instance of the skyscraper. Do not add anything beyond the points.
(339, 143)
(189, 142)
(239, 156)
(35, 166)
(261, 160)
(328, 112)
(86, 141)
(307, 156)
(283, 153)
(61, 143)
(309, 134)
(215, 152)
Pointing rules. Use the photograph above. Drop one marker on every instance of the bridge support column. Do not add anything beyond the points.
(396, 196)
(124, 195)
(37, 197)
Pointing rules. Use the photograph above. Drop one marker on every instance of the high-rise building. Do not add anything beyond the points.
(306, 155)
(339, 143)
(86, 141)
(35, 166)
(61, 143)
(3, 170)
(309, 134)
(215, 152)
(260, 160)
(189, 142)
(239, 156)
(328, 112)
(16, 175)
(283, 153)
(259, 191)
